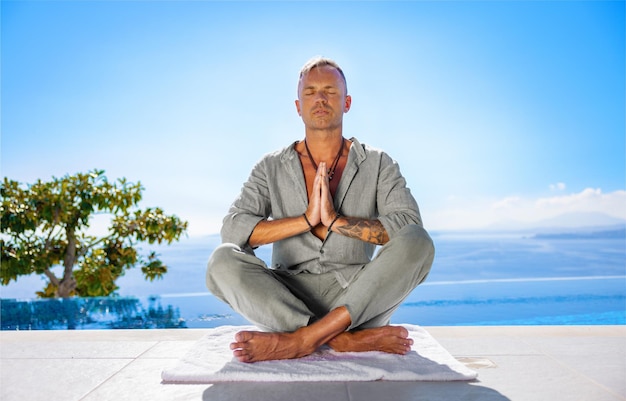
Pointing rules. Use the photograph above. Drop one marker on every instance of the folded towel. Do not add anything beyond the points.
(210, 361)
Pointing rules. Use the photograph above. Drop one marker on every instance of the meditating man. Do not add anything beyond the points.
(325, 203)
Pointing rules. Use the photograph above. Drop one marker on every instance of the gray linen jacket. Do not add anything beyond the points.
(371, 187)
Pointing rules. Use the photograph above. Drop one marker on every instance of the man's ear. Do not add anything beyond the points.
(298, 107)
(347, 104)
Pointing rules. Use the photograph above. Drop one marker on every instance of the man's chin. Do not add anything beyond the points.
(324, 124)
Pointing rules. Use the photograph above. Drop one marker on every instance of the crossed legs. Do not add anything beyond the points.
(353, 322)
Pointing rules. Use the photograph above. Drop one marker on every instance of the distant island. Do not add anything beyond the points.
(604, 234)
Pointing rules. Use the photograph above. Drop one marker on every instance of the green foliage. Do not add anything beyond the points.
(45, 224)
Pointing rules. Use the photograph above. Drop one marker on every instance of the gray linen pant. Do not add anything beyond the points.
(282, 302)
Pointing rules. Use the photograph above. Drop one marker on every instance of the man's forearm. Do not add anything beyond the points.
(371, 231)
(269, 231)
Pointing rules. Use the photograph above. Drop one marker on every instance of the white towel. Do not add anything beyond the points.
(211, 361)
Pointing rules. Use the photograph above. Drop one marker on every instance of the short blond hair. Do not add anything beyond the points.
(319, 61)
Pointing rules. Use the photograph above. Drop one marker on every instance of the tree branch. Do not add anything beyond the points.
(48, 238)
(53, 279)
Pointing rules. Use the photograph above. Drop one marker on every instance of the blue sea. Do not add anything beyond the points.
(476, 279)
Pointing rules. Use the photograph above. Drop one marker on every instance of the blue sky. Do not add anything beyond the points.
(496, 111)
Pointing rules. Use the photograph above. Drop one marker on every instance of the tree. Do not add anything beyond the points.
(46, 224)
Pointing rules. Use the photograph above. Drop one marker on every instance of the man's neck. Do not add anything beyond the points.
(324, 143)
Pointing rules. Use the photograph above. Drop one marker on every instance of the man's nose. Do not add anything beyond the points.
(320, 97)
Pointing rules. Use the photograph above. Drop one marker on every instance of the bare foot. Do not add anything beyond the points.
(391, 339)
(254, 346)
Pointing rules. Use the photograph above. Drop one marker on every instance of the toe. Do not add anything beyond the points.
(403, 332)
(243, 336)
(241, 355)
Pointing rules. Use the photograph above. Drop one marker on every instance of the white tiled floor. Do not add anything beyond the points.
(534, 363)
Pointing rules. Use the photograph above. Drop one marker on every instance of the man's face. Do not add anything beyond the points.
(322, 98)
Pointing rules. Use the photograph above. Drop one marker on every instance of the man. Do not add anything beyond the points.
(324, 203)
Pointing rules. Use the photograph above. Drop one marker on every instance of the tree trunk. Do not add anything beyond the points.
(68, 283)
(66, 286)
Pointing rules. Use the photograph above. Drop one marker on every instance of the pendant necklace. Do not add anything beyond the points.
(330, 171)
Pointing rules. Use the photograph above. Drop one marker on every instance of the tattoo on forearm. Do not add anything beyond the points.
(371, 231)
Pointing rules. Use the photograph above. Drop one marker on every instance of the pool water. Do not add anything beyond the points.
(548, 301)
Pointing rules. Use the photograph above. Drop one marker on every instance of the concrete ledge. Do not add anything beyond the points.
(532, 363)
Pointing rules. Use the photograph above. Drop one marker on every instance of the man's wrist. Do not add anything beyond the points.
(307, 221)
(330, 226)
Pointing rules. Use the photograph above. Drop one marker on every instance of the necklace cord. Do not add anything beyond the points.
(330, 171)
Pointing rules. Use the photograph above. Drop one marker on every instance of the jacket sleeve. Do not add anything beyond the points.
(251, 206)
(396, 205)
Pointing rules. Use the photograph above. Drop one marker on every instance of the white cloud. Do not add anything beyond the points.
(589, 200)
(466, 214)
(506, 203)
(559, 186)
